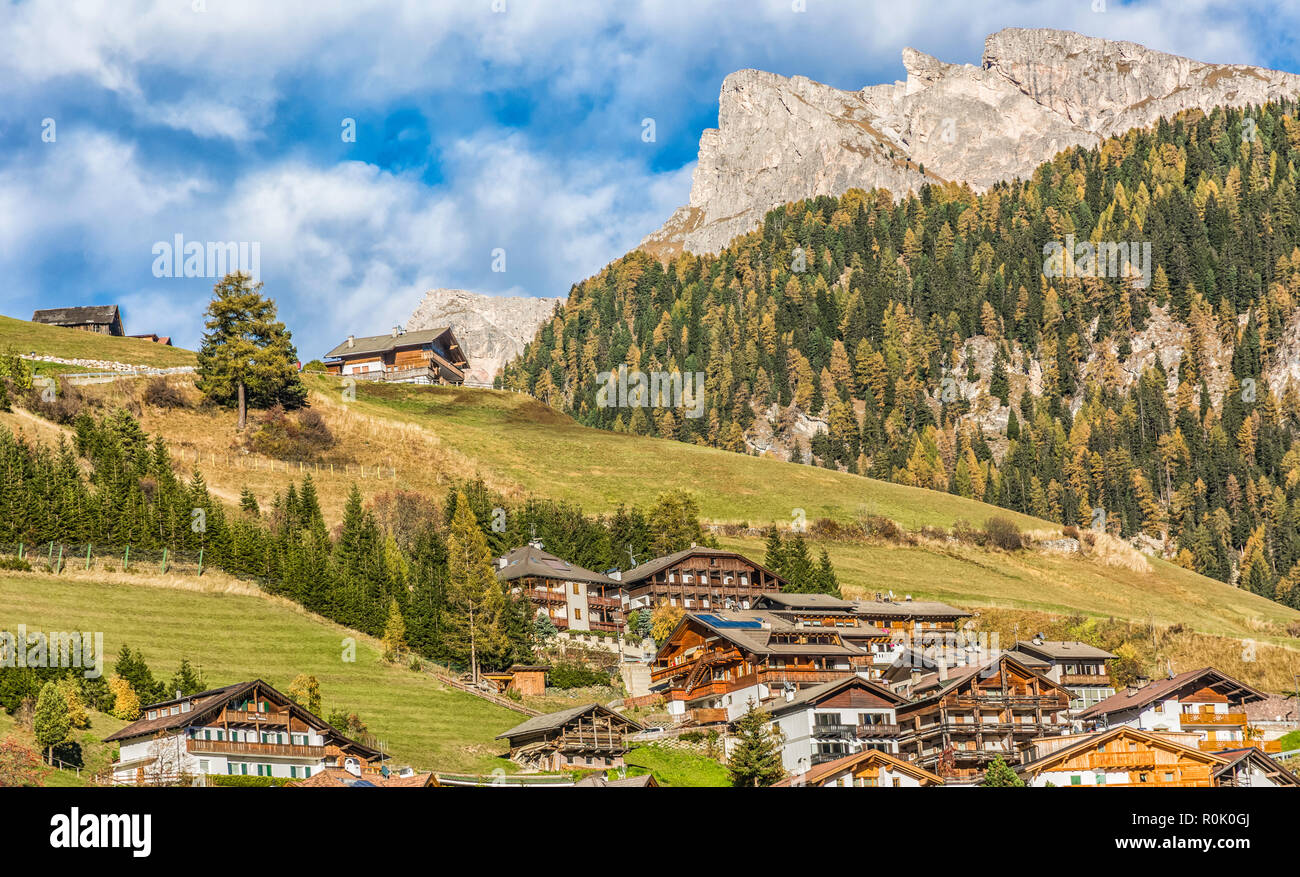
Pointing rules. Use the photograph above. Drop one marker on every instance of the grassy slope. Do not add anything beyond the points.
(234, 634)
(521, 446)
(522, 441)
(678, 767)
(21, 336)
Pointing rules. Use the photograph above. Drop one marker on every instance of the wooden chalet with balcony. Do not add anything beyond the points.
(1251, 768)
(824, 610)
(581, 738)
(715, 664)
(699, 579)
(914, 623)
(1078, 666)
(426, 356)
(1122, 756)
(828, 721)
(868, 769)
(572, 597)
(1206, 702)
(246, 729)
(962, 719)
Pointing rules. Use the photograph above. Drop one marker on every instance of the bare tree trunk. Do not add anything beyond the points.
(243, 408)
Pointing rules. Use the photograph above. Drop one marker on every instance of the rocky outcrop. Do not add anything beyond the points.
(1036, 92)
(493, 329)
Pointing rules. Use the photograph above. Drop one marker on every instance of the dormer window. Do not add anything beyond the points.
(153, 714)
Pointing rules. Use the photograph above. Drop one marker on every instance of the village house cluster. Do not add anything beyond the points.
(878, 692)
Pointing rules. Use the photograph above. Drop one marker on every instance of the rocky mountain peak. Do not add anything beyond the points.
(1037, 91)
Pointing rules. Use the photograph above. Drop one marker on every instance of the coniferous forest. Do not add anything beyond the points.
(864, 312)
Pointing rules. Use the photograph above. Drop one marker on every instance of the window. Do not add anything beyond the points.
(203, 766)
(153, 714)
(826, 718)
(1076, 780)
(577, 614)
(1169, 776)
(575, 587)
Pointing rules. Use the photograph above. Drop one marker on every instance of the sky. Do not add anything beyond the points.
(369, 151)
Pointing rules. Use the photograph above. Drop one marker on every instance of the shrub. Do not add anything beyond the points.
(247, 782)
(1003, 533)
(570, 675)
(60, 402)
(16, 564)
(303, 437)
(161, 393)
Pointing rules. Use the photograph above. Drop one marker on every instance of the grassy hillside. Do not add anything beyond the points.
(234, 633)
(20, 336)
(423, 437)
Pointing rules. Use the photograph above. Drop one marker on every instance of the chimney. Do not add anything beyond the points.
(397, 330)
(351, 341)
(352, 766)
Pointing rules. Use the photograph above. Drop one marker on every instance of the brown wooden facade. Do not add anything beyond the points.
(430, 356)
(582, 738)
(1121, 757)
(960, 724)
(699, 579)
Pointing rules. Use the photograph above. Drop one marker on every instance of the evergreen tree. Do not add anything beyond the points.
(394, 633)
(999, 774)
(474, 596)
(247, 356)
(755, 759)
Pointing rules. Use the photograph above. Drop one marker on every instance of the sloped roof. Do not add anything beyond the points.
(931, 686)
(786, 600)
(533, 561)
(337, 778)
(553, 721)
(644, 781)
(745, 628)
(908, 608)
(808, 697)
(1162, 689)
(76, 316)
(1087, 742)
(381, 343)
(828, 769)
(1261, 759)
(1060, 650)
(650, 567)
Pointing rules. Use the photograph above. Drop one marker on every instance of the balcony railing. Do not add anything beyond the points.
(1206, 718)
(252, 717)
(867, 732)
(232, 747)
(1086, 680)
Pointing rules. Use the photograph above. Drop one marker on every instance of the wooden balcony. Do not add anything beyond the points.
(231, 747)
(1269, 747)
(1084, 680)
(539, 596)
(707, 716)
(604, 602)
(779, 676)
(252, 717)
(869, 732)
(1205, 718)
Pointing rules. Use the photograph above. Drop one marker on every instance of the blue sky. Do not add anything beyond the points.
(476, 130)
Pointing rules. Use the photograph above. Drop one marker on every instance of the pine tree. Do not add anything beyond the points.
(756, 758)
(247, 356)
(474, 595)
(1000, 775)
(394, 633)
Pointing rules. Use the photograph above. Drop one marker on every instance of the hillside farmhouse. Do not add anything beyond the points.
(102, 319)
(429, 356)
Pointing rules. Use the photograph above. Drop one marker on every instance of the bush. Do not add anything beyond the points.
(1003, 533)
(303, 437)
(569, 675)
(60, 403)
(247, 782)
(161, 393)
(16, 564)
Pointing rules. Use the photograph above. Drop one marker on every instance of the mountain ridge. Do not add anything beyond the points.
(1037, 92)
